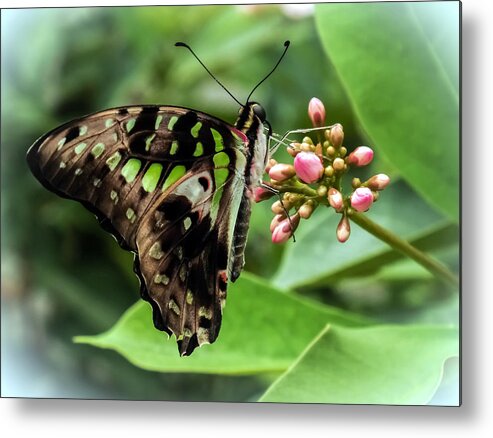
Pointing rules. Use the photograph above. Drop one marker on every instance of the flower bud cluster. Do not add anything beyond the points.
(315, 178)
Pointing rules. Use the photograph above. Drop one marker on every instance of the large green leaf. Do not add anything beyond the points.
(318, 258)
(372, 365)
(263, 330)
(399, 63)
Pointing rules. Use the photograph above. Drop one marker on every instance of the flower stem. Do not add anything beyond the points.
(436, 268)
(301, 189)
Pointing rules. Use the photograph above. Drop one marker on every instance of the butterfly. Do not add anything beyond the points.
(174, 186)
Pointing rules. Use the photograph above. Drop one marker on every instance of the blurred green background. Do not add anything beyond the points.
(62, 276)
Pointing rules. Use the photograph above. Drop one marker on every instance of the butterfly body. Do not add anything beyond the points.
(173, 185)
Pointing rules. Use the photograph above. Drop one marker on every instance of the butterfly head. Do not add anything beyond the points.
(259, 111)
(251, 121)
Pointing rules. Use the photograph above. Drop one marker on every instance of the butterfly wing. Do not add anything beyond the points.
(184, 255)
(167, 182)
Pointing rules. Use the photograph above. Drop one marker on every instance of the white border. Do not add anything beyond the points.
(79, 418)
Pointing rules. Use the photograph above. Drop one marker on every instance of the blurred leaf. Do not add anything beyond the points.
(403, 270)
(443, 311)
(318, 258)
(263, 330)
(260, 247)
(373, 365)
(399, 63)
(407, 269)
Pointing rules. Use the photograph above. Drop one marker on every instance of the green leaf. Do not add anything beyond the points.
(263, 330)
(399, 63)
(317, 258)
(372, 365)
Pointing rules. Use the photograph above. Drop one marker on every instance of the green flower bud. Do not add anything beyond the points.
(338, 164)
(321, 190)
(356, 182)
(329, 171)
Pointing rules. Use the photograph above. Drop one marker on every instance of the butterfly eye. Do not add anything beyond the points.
(259, 111)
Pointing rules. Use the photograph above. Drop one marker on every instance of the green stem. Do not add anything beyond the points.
(301, 189)
(436, 268)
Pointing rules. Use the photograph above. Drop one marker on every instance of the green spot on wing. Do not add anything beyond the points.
(196, 129)
(159, 119)
(176, 173)
(130, 213)
(221, 159)
(97, 150)
(113, 161)
(216, 199)
(109, 122)
(130, 124)
(149, 141)
(218, 140)
(114, 196)
(151, 177)
(199, 150)
(172, 122)
(82, 130)
(221, 171)
(61, 143)
(174, 148)
(80, 148)
(220, 176)
(131, 169)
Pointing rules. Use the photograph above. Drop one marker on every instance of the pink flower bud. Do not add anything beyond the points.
(277, 208)
(316, 111)
(335, 199)
(281, 172)
(378, 182)
(361, 199)
(306, 210)
(361, 156)
(262, 194)
(285, 229)
(270, 164)
(293, 149)
(336, 135)
(308, 167)
(343, 230)
(277, 219)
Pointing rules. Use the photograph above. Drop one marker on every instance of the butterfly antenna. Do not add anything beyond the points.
(180, 44)
(286, 45)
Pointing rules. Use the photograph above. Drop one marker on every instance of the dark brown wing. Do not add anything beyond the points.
(93, 159)
(184, 247)
(167, 182)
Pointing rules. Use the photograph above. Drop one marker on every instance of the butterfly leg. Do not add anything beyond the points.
(287, 142)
